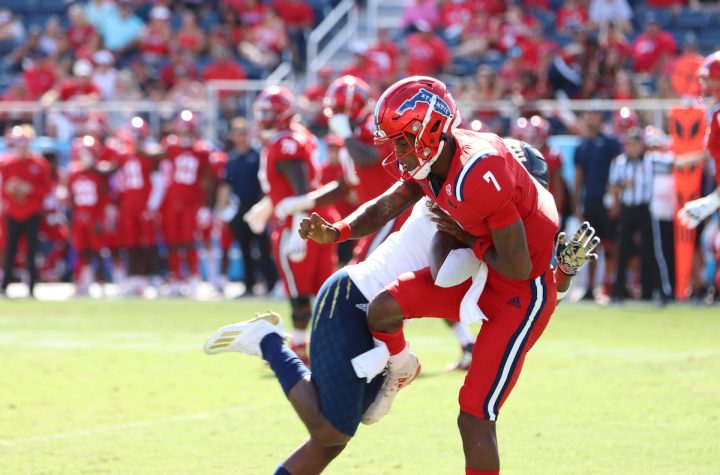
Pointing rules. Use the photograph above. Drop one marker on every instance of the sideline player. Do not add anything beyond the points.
(476, 179)
(694, 212)
(288, 167)
(332, 400)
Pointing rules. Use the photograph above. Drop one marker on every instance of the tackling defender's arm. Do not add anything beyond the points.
(367, 219)
(297, 174)
(364, 155)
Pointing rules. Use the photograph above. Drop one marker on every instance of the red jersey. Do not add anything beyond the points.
(39, 80)
(79, 35)
(186, 165)
(218, 162)
(368, 182)
(87, 188)
(426, 56)
(25, 182)
(712, 139)
(294, 143)
(488, 188)
(647, 50)
(134, 173)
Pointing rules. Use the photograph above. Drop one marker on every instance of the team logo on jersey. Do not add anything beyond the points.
(427, 97)
(448, 189)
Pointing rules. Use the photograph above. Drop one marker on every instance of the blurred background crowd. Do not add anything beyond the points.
(612, 164)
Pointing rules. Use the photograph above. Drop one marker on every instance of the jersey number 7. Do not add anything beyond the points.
(490, 178)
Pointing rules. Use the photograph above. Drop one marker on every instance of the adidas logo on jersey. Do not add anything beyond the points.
(515, 302)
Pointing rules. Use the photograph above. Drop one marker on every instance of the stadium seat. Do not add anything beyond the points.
(20, 6)
(691, 20)
(709, 41)
(546, 19)
(51, 6)
(663, 16)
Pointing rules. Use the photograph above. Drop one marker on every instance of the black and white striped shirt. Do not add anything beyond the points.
(634, 177)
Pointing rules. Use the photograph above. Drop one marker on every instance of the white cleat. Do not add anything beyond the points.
(245, 337)
(398, 376)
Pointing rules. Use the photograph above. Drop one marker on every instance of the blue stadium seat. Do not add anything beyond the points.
(709, 41)
(663, 16)
(51, 6)
(691, 20)
(20, 6)
(546, 19)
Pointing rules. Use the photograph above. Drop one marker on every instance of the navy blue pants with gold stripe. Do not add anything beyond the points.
(340, 333)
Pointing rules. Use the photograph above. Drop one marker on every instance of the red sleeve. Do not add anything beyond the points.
(488, 186)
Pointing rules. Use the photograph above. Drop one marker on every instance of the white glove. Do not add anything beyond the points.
(293, 204)
(258, 216)
(572, 256)
(339, 124)
(694, 212)
(292, 245)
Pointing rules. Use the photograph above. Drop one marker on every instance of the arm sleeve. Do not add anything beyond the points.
(489, 189)
(713, 142)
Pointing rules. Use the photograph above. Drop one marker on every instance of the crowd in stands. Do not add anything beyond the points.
(486, 50)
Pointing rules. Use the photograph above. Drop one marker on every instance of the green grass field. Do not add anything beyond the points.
(123, 387)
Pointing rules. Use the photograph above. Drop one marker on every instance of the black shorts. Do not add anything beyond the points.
(596, 213)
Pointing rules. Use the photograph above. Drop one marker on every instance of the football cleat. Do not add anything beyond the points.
(245, 337)
(462, 364)
(397, 378)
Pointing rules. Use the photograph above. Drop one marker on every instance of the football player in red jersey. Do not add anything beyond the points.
(694, 212)
(135, 165)
(86, 188)
(188, 186)
(536, 131)
(479, 181)
(347, 106)
(288, 168)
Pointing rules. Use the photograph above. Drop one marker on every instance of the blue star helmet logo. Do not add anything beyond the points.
(423, 95)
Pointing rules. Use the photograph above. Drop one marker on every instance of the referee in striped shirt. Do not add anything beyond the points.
(631, 184)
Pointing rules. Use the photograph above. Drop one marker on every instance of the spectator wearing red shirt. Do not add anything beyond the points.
(298, 16)
(155, 37)
(455, 16)
(179, 63)
(223, 66)
(39, 75)
(570, 16)
(266, 41)
(653, 47)
(25, 182)
(251, 12)
(79, 88)
(80, 31)
(360, 65)
(384, 55)
(190, 37)
(428, 55)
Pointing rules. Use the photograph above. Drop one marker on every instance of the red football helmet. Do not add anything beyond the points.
(421, 110)
(274, 108)
(709, 78)
(347, 95)
(624, 120)
(84, 151)
(534, 130)
(186, 123)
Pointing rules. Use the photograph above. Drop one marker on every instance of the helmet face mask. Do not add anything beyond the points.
(708, 77)
(421, 111)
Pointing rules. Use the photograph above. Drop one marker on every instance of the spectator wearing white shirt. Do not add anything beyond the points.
(11, 28)
(603, 12)
(98, 11)
(105, 75)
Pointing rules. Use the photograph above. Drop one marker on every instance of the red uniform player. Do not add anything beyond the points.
(87, 190)
(288, 167)
(347, 106)
(187, 175)
(510, 220)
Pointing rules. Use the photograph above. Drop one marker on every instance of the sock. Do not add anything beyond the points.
(281, 471)
(472, 471)
(192, 260)
(395, 341)
(299, 336)
(283, 361)
(174, 263)
(463, 335)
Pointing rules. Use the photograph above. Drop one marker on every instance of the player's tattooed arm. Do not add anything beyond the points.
(509, 255)
(367, 219)
(297, 173)
(374, 214)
